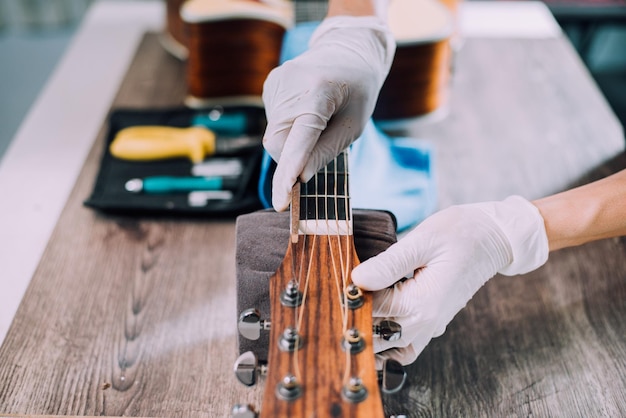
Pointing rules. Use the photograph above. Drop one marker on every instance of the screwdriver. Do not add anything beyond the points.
(227, 123)
(169, 184)
(146, 143)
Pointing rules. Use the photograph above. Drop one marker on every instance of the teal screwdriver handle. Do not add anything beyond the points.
(224, 124)
(167, 184)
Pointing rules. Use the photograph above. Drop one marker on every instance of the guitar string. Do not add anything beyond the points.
(343, 268)
(300, 312)
(336, 276)
(296, 266)
(342, 264)
(301, 244)
(340, 279)
(346, 265)
(296, 274)
(336, 272)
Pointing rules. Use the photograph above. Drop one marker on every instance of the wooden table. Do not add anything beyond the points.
(136, 317)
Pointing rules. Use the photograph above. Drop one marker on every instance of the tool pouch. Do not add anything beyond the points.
(110, 192)
(262, 238)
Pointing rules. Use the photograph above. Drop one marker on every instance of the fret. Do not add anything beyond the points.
(326, 184)
(324, 208)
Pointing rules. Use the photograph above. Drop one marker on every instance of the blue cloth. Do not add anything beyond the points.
(394, 174)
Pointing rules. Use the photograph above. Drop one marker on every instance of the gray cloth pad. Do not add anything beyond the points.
(262, 239)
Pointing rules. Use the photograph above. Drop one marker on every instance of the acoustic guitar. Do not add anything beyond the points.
(417, 83)
(232, 45)
(321, 360)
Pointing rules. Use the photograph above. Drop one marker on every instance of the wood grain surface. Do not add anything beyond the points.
(136, 317)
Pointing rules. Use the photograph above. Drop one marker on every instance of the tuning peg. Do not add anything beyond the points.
(250, 324)
(290, 340)
(288, 388)
(243, 411)
(392, 376)
(353, 341)
(291, 296)
(247, 368)
(388, 330)
(354, 391)
(354, 296)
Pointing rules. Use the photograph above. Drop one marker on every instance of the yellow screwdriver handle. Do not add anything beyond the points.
(145, 143)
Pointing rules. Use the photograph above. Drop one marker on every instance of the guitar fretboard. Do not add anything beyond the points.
(325, 201)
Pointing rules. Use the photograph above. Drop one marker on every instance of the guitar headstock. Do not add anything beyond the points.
(320, 360)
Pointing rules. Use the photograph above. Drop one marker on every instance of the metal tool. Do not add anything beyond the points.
(146, 143)
(170, 184)
(224, 167)
(250, 324)
(228, 122)
(200, 198)
(248, 367)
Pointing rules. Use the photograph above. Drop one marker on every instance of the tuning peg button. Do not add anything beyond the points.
(388, 330)
(243, 411)
(392, 377)
(250, 324)
(247, 368)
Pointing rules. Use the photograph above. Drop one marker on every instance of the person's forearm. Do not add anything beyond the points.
(351, 8)
(587, 213)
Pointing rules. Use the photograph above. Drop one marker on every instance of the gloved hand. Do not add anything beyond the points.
(449, 256)
(319, 102)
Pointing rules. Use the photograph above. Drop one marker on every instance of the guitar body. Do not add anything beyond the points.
(322, 366)
(231, 46)
(175, 38)
(417, 82)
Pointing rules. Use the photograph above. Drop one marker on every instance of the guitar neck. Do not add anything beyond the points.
(322, 205)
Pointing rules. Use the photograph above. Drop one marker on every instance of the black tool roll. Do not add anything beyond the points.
(111, 194)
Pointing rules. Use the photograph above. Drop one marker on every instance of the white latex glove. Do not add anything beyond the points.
(319, 102)
(449, 256)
